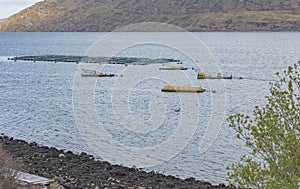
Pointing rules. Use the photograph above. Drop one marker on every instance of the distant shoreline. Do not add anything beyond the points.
(218, 31)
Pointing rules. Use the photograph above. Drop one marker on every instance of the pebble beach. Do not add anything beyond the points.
(81, 171)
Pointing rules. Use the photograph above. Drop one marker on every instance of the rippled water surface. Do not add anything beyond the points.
(38, 101)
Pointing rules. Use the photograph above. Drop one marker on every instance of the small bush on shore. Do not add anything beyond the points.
(273, 135)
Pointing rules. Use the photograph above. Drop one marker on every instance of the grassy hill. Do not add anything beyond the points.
(192, 15)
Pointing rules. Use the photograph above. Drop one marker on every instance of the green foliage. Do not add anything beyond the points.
(273, 135)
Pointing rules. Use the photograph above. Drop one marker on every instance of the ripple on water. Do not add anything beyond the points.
(36, 98)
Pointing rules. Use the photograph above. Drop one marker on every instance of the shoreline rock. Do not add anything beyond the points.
(83, 171)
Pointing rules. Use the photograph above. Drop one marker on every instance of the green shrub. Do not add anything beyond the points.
(273, 135)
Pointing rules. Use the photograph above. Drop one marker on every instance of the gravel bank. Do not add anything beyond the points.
(83, 171)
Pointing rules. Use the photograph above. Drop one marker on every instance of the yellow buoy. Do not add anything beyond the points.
(196, 89)
(174, 68)
(201, 74)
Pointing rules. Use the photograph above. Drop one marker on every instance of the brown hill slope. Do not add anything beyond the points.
(2, 20)
(192, 15)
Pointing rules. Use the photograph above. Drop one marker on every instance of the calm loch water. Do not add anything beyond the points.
(38, 100)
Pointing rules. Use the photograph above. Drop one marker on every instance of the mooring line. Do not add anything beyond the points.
(248, 78)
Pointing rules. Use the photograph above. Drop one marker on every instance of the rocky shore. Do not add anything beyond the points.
(83, 171)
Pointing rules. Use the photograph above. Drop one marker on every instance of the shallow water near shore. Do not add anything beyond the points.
(36, 102)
